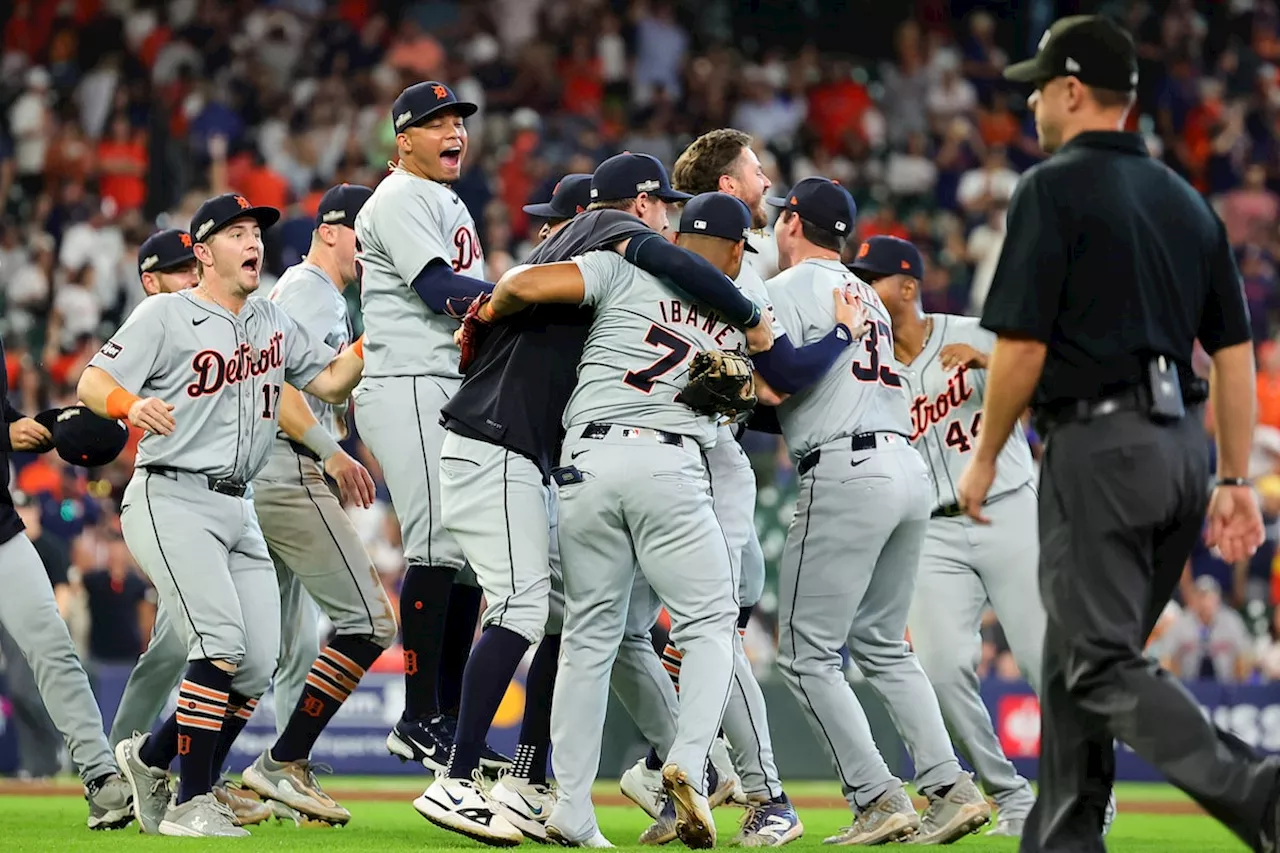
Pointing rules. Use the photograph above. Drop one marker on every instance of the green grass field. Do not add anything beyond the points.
(384, 821)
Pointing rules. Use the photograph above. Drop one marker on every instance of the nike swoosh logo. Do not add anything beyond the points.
(457, 801)
(534, 811)
(574, 455)
(855, 463)
(198, 322)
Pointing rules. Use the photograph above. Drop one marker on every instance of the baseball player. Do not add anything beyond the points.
(495, 469)
(212, 364)
(571, 196)
(29, 614)
(942, 360)
(633, 489)
(420, 264)
(848, 567)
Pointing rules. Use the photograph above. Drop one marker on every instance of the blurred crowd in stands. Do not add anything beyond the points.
(118, 116)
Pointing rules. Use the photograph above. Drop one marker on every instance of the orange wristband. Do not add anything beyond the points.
(119, 402)
(358, 346)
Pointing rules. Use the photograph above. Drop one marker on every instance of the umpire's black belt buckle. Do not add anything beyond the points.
(597, 431)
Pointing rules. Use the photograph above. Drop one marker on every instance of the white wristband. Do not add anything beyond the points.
(317, 439)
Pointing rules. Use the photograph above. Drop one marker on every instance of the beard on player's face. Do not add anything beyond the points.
(174, 280)
(752, 184)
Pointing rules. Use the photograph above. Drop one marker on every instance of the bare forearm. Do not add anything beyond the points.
(1232, 393)
(335, 382)
(1013, 369)
(94, 386)
(508, 296)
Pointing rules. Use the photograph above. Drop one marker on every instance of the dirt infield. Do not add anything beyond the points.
(10, 788)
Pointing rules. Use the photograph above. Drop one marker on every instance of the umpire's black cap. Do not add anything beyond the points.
(165, 250)
(1092, 48)
(717, 214)
(82, 437)
(339, 205)
(570, 197)
(823, 202)
(627, 175)
(425, 99)
(882, 256)
(221, 210)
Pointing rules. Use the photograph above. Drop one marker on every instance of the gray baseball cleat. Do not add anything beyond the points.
(293, 783)
(890, 818)
(201, 817)
(1008, 827)
(110, 803)
(149, 785)
(963, 810)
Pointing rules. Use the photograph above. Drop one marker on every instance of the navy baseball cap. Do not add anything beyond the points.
(1092, 48)
(626, 175)
(570, 197)
(82, 437)
(339, 205)
(219, 211)
(881, 256)
(823, 202)
(165, 250)
(422, 100)
(717, 215)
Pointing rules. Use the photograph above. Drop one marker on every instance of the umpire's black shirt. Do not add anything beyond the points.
(1111, 259)
(516, 389)
(10, 524)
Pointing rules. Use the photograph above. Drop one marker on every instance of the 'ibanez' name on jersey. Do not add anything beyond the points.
(676, 312)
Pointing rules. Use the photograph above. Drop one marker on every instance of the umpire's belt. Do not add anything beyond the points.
(1130, 400)
(861, 441)
(234, 488)
(658, 435)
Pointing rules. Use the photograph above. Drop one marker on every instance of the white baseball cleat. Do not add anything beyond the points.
(525, 804)
(723, 763)
(1109, 816)
(643, 787)
(461, 806)
(596, 839)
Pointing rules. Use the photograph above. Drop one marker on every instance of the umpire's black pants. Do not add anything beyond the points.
(1122, 501)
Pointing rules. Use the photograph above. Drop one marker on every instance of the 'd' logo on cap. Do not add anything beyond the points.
(243, 202)
(440, 92)
(864, 250)
(186, 240)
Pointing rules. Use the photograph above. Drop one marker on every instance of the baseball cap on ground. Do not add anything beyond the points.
(881, 256)
(717, 215)
(339, 205)
(423, 100)
(822, 202)
(626, 175)
(1092, 48)
(82, 437)
(164, 250)
(221, 210)
(570, 197)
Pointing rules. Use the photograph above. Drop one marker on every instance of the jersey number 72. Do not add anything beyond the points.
(677, 348)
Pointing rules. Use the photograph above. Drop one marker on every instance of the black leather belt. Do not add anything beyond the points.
(861, 441)
(303, 450)
(234, 488)
(948, 511)
(661, 436)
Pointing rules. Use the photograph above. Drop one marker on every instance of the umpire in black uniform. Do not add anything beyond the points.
(1112, 267)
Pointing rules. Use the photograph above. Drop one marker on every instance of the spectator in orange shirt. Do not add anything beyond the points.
(997, 125)
(1269, 384)
(122, 165)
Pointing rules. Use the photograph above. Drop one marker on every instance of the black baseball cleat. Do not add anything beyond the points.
(427, 741)
(492, 762)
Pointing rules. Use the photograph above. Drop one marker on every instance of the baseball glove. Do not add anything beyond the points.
(473, 332)
(720, 384)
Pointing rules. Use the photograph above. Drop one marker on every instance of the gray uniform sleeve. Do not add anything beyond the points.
(411, 232)
(137, 352)
(306, 354)
(310, 307)
(786, 313)
(600, 275)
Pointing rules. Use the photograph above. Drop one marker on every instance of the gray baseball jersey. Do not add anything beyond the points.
(637, 354)
(764, 261)
(406, 224)
(307, 294)
(221, 372)
(946, 412)
(862, 391)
